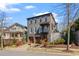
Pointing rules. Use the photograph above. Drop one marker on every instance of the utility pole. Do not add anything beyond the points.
(68, 14)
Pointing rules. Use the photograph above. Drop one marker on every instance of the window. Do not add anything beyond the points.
(12, 35)
(4, 34)
(45, 19)
(31, 22)
(40, 29)
(35, 21)
(28, 22)
(45, 29)
(16, 35)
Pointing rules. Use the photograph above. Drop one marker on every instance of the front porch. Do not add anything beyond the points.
(38, 39)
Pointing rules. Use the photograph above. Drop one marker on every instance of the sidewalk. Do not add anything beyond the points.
(53, 50)
(58, 51)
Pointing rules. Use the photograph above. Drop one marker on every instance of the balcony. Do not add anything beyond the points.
(44, 23)
(44, 31)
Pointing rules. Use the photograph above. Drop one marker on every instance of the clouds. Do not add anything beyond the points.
(4, 7)
(9, 18)
(41, 13)
(29, 7)
(14, 9)
(7, 7)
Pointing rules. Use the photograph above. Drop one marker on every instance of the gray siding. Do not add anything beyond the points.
(36, 25)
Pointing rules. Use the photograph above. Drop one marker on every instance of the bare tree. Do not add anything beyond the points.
(69, 11)
(71, 18)
(2, 20)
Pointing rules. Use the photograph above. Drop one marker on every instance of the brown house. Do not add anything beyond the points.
(14, 32)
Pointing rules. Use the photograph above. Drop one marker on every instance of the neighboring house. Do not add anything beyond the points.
(41, 27)
(14, 32)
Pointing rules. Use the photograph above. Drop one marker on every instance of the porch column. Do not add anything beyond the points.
(18, 36)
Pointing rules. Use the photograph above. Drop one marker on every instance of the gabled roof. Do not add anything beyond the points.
(17, 24)
(39, 16)
(42, 16)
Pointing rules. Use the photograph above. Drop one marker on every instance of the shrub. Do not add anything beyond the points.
(14, 41)
(44, 42)
(62, 41)
(18, 43)
(51, 43)
(58, 41)
(13, 46)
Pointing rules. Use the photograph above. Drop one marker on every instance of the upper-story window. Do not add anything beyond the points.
(45, 29)
(31, 22)
(40, 29)
(4, 34)
(35, 21)
(40, 20)
(45, 19)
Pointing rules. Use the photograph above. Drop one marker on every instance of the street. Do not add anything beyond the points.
(25, 50)
(26, 53)
(22, 53)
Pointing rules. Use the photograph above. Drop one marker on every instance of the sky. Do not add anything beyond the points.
(19, 12)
